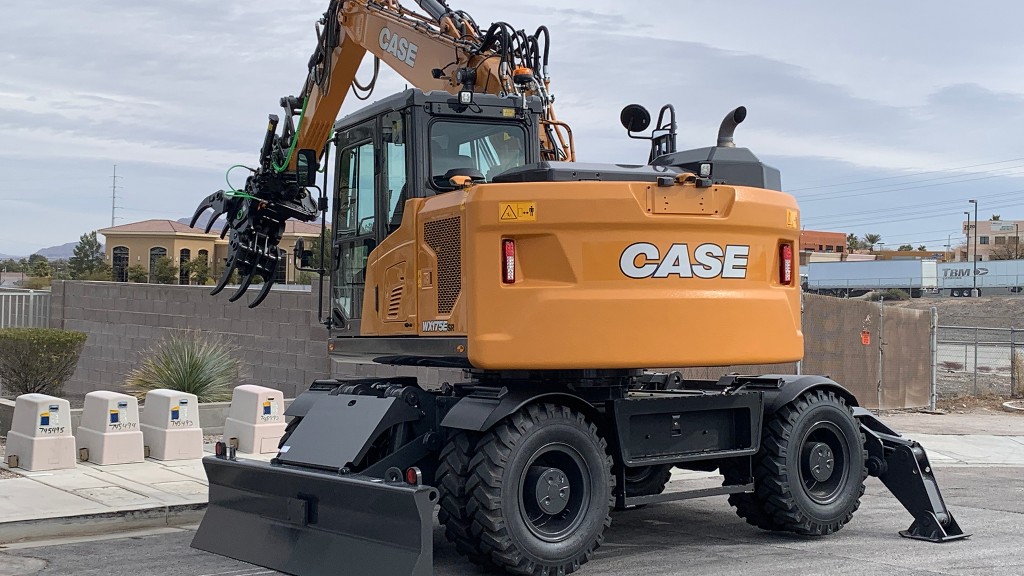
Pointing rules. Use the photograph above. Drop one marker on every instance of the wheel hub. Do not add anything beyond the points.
(551, 488)
(820, 460)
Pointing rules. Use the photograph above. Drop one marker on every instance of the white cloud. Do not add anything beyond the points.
(174, 92)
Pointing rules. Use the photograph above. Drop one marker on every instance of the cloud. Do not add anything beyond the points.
(174, 92)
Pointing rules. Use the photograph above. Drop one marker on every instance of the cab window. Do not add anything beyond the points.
(488, 148)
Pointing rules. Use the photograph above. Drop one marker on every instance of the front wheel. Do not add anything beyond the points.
(809, 473)
(540, 491)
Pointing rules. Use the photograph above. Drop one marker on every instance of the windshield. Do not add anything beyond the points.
(489, 148)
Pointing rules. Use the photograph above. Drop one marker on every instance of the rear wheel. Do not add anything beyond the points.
(452, 473)
(809, 474)
(540, 491)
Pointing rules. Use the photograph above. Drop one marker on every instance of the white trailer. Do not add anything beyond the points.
(993, 277)
(859, 278)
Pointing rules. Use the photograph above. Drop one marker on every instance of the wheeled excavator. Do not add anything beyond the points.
(464, 235)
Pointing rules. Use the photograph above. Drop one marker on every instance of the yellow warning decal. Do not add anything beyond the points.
(792, 218)
(508, 112)
(517, 211)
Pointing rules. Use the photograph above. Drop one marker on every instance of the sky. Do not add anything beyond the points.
(884, 117)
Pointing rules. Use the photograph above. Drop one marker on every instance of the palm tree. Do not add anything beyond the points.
(852, 242)
(872, 239)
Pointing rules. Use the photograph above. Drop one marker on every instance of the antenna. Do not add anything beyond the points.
(113, 196)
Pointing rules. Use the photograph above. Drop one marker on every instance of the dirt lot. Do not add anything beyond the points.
(987, 311)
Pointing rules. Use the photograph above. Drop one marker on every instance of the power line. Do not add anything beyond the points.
(921, 215)
(905, 175)
(831, 197)
(914, 208)
(885, 187)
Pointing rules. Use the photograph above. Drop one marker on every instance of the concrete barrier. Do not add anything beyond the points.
(211, 416)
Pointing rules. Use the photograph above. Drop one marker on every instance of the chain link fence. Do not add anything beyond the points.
(975, 360)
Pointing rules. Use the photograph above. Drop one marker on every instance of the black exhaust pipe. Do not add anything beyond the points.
(729, 124)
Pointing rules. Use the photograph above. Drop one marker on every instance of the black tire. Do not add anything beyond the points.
(540, 446)
(647, 480)
(452, 473)
(809, 473)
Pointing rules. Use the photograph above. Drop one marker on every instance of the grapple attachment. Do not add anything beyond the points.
(311, 523)
(902, 465)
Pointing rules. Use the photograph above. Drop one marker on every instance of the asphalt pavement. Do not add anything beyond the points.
(692, 537)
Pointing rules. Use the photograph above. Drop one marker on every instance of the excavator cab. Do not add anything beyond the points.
(410, 146)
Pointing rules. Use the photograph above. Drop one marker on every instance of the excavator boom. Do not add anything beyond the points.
(443, 50)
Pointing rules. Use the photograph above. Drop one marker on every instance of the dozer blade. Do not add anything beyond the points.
(902, 465)
(311, 523)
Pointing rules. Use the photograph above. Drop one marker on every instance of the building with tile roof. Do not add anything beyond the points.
(142, 243)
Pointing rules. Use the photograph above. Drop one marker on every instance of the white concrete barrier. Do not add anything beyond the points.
(170, 425)
(40, 436)
(256, 419)
(110, 428)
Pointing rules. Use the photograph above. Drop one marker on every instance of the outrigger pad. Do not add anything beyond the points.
(902, 465)
(316, 523)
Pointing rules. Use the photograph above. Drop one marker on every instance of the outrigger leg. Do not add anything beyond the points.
(902, 465)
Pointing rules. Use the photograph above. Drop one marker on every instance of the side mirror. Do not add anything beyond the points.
(306, 167)
(635, 118)
(301, 255)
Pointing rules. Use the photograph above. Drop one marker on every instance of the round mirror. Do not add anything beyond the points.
(635, 118)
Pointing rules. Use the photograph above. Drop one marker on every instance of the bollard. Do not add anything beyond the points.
(170, 425)
(110, 429)
(40, 436)
(256, 419)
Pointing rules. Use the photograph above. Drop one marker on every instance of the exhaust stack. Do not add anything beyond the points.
(729, 124)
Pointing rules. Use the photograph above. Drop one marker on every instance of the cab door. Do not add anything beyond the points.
(355, 224)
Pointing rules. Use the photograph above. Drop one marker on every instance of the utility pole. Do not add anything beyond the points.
(113, 196)
(974, 276)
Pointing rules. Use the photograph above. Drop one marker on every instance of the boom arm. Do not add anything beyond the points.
(443, 50)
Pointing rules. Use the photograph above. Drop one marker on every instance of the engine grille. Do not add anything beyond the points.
(395, 302)
(445, 238)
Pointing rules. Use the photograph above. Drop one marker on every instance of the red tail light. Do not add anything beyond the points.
(786, 264)
(508, 261)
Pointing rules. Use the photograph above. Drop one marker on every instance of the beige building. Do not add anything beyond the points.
(999, 238)
(142, 243)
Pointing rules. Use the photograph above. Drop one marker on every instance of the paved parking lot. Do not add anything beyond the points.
(696, 537)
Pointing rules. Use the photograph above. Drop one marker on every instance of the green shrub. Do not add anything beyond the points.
(889, 294)
(38, 359)
(189, 361)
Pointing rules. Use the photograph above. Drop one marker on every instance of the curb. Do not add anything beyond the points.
(1009, 407)
(103, 523)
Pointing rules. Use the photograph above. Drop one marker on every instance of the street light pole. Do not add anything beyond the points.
(968, 215)
(974, 276)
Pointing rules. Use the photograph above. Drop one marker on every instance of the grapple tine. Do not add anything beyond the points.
(264, 291)
(241, 289)
(213, 201)
(268, 279)
(224, 277)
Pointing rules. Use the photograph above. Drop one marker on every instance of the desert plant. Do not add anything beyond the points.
(189, 361)
(889, 294)
(38, 359)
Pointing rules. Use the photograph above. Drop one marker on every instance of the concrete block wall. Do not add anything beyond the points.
(280, 343)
